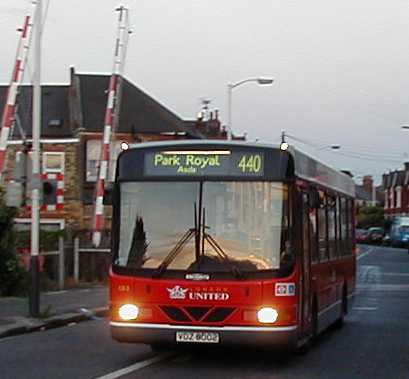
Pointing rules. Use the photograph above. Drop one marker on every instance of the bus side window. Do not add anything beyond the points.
(305, 225)
(339, 222)
(344, 226)
(322, 228)
(312, 215)
(331, 217)
(350, 208)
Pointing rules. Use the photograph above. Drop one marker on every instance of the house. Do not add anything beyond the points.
(367, 193)
(71, 132)
(396, 184)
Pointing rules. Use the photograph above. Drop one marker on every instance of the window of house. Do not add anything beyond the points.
(53, 162)
(93, 155)
(398, 197)
(55, 122)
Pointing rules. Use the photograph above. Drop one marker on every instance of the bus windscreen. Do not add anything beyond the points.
(204, 163)
(246, 221)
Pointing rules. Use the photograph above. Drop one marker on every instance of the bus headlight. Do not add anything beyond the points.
(128, 312)
(267, 315)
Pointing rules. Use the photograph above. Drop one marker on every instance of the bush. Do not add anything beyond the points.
(12, 276)
(370, 216)
(48, 239)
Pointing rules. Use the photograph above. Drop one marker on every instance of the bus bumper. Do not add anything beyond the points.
(165, 334)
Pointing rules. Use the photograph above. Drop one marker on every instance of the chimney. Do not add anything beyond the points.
(367, 182)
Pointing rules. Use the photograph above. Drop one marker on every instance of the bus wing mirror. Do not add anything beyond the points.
(108, 195)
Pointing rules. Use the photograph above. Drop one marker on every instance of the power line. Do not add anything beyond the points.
(356, 154)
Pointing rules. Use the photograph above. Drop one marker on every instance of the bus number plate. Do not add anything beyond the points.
(197, 337)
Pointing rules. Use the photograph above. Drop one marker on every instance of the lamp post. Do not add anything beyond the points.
(284, 145)
(329, 147)
(230, 87)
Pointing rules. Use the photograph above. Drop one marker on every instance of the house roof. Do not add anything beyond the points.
(55, 110)
(140, 113)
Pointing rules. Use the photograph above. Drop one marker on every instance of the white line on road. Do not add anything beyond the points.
(365, 254)
(394, 273)
(136, 366)
(383, 287)
(365, 308)
(55, 292)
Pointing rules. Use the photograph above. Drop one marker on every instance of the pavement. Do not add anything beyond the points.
(57, 308)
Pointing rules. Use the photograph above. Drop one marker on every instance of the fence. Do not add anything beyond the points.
(94, 263)
(54, 270)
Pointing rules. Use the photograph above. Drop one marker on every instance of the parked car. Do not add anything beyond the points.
(375, 235)
(386, 240)
(400, 231)
(361, 235)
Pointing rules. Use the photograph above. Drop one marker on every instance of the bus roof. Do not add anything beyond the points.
(305, 167)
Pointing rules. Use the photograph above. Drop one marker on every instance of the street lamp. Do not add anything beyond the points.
(230, 87)
(330, 147)
(284, 145)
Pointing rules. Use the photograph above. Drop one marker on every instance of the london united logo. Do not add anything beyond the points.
(177, 292)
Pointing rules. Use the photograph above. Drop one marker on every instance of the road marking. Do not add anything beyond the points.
(365, 308)
(137, 366)
(384, 287)
(55, 292)
(365, 254)
(395, 273)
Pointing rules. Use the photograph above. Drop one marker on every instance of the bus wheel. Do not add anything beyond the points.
(344, 309)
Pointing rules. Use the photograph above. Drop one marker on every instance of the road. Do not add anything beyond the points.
(374, 342)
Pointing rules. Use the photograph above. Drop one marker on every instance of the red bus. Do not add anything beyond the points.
(228, 243)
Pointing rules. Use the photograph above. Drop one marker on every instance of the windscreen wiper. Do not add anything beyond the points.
(189, 234)
(219, 250)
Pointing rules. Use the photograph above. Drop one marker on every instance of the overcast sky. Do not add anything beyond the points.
(341, 68)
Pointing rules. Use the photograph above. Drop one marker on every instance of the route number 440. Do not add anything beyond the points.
(250, 163)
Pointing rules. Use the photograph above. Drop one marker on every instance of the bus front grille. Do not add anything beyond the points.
(197, 314)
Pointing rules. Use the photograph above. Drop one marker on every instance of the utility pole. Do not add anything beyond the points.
(34, 300)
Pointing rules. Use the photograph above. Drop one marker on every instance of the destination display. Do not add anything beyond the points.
(204, 163)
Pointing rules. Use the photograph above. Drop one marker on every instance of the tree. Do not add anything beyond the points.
(370, 216)
(11, 274)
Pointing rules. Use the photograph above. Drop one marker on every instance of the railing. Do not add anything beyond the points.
(87, 249)
(52, 274)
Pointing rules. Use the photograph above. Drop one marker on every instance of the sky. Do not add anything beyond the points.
(340, 69)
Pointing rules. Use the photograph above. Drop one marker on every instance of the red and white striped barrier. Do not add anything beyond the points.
(9, 111)
(111, 113)
(59, 205)
(58, 179)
